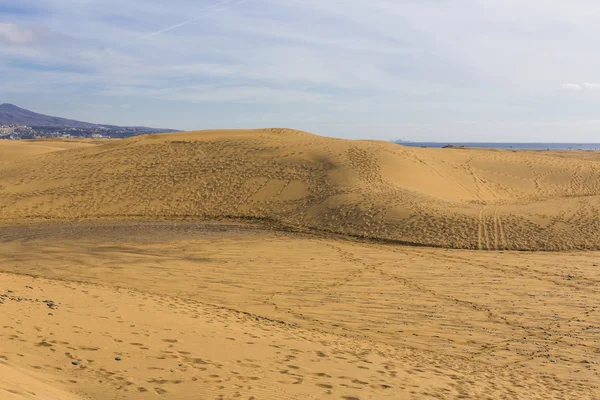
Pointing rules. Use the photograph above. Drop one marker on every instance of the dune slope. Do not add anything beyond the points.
(475, 199)
(137, 310)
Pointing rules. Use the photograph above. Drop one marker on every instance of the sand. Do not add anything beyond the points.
(203, 311)
(160, 268)
(456, 198)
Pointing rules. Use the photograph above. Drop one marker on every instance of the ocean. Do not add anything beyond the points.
(513, 146)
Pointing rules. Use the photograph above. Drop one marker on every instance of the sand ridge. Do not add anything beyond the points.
(474, 199)
(11, 151)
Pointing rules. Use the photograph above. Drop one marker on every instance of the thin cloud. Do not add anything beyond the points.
(571, 86)
(592, 86)
(428, 63)
(14, 34)
(576, 87)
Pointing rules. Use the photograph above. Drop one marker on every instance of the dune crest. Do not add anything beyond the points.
(458, 198)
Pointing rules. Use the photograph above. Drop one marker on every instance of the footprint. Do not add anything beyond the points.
(324, 385)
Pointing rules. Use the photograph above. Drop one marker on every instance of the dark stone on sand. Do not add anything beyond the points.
(118, 358)
(75, 362)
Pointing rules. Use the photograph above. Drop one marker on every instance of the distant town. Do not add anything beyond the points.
(17, 123)
(22, 132)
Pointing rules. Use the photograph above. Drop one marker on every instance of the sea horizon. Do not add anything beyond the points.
(507, 145)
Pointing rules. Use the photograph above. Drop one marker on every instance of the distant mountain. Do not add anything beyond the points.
(13, 115)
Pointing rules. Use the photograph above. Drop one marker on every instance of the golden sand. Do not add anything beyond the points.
(127, 270)
(473, 199)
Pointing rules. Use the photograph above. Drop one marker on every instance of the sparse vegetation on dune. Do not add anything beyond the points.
(475, 199)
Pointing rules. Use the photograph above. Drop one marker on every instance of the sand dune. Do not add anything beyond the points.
(232, 264)
(184, 311)
(473, 199)
(19, 384)
(11, 151)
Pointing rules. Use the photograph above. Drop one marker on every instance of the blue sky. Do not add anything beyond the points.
(462, 70)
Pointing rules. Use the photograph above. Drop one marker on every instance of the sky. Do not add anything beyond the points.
(421, 70)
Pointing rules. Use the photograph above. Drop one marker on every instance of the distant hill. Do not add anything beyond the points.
(13, 115)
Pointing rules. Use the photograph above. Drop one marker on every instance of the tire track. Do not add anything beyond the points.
(496, 229)
(500, 236)
(480, 230)
(484, 235)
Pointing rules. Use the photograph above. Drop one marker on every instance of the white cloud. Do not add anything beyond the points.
(571, 86)
(422, 65)
(215, 94)
(576, 87)
(14, 34)
(592, 86)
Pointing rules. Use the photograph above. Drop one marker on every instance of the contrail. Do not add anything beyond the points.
(212, 9)
(167, 29)
(227, 3)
